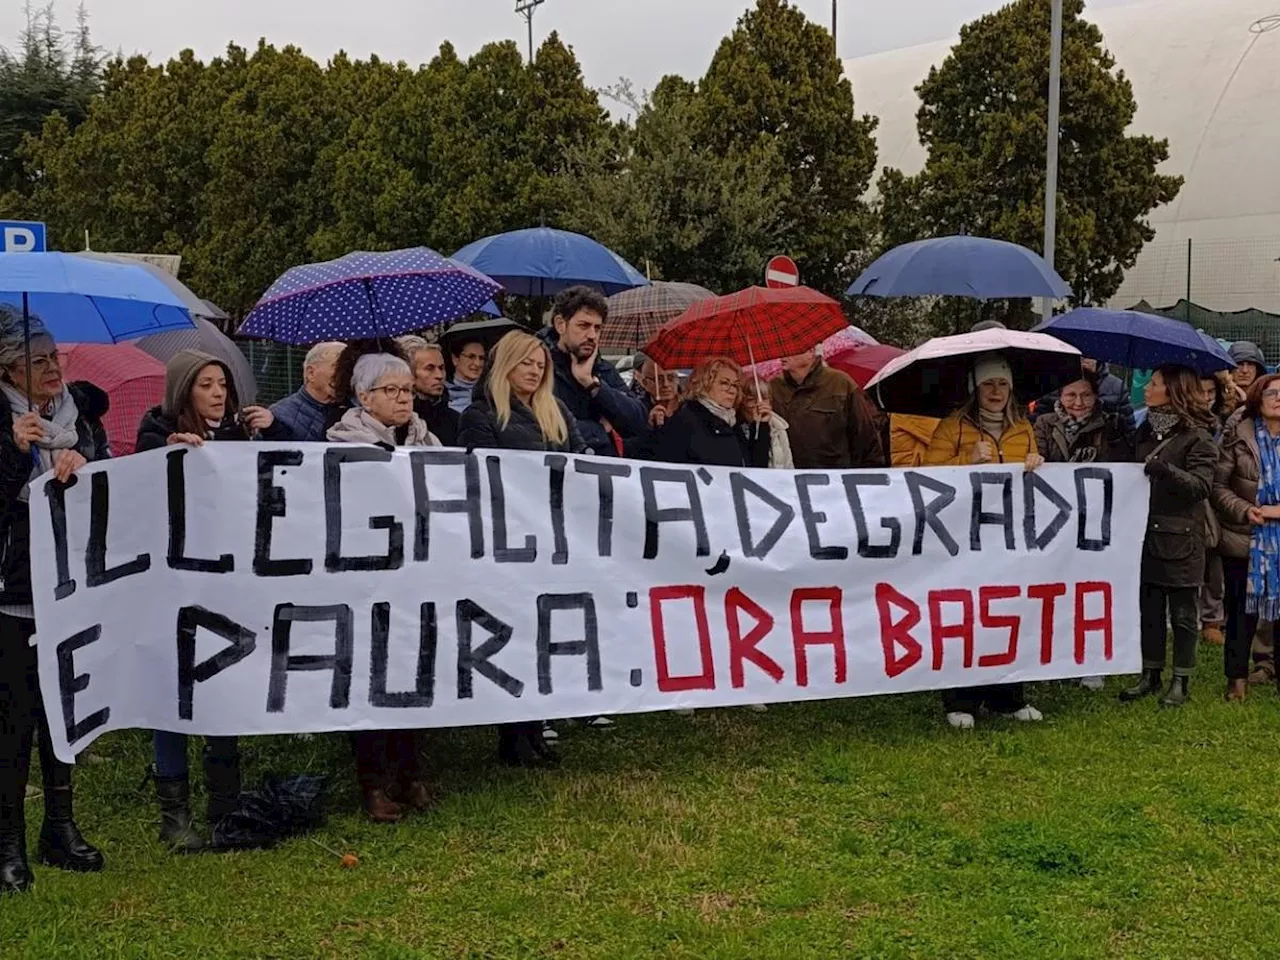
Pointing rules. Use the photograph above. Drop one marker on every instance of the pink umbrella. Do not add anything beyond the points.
(847, 338)
(134, 381)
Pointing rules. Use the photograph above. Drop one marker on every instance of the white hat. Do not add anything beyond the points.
(992, 366)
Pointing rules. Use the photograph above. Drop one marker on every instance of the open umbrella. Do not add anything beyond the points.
(863, 363)
(540, 262)
(207, 338)
(636, 314)
(366, 296)
(960, 267)
(194, 304)
(487, 332)
(933, 379)
(1139, 341)
(846, 339)
(751, 325)
(133, 380)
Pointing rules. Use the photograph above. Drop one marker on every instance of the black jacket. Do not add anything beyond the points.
(15, 471)
(440, 418)
(612, 402)
(1181, 473)
(155, 429)
(479, 427)
(696, 435)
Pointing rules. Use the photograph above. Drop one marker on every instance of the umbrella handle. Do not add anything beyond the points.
(26, 341)
(751, 354)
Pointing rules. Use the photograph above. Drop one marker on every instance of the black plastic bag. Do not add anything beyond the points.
(282, 808)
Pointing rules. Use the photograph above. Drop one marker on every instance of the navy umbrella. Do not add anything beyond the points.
(366, 296)
(1139, 341)
(960, 267)
(540, 262)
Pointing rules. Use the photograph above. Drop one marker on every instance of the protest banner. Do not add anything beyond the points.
(259, 588)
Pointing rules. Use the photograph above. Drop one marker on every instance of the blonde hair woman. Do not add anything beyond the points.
(707, 429)
(519, 409)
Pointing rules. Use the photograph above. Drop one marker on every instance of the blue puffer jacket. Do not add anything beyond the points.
(612, 402)
(303, 416)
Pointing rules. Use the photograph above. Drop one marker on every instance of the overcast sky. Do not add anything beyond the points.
(638, 39)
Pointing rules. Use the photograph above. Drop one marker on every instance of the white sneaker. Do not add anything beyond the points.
(758, 708)
(550, 734)
(1092, 683)
(961, 721)
(1027, 714)
(600, 723)
(683, 712)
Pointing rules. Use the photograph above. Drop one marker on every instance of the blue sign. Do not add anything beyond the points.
(21, 236)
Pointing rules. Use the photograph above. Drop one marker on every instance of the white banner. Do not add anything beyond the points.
(253, 588)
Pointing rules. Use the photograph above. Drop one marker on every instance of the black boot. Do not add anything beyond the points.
(222, 781)
(61, 844)
(1148, 686)
(523, 745)
(176, 830)
(15, 874)
(1177, 694)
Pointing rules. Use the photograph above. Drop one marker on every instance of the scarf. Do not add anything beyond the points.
(992, 423)
(1070, 425)
(1263, 597)
(1163, 420)
(780, 456)
(60, 431)
(359, 426)
(727, 414)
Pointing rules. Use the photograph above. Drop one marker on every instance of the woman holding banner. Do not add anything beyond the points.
(388, 765)
(200, 405)
(51, 426)
(990, 428)
(516, 409)
(707, 429)
(1180, 457)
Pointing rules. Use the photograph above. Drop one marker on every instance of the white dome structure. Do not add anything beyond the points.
(1206, 76)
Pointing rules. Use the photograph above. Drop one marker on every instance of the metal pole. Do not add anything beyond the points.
(1187, 310)
(1051, 151)
(530, 19)
(834, 41)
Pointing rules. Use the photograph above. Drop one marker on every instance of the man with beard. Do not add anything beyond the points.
(607, 412)
(426, 360)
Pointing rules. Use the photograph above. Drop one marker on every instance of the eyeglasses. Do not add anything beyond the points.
(1271, 394)
(393, 392)
(41, 362)
(728, 385)
(474, 357)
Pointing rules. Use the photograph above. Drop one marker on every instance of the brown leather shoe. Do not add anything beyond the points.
(418, 795)
(1263, 673)
(1212, 633)
(382, 808)
(1237, 690)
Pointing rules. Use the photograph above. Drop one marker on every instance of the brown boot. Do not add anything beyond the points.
(1212, 633)
(418, 795)
(381, 808)
(1237, 690)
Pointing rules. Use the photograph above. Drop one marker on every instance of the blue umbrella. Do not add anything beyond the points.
(80, 300)
(960, 267)
(1139, 341)
(541, 262)
(366, 296)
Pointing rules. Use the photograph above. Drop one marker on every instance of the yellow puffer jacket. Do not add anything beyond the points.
(909, 438)
(956, 436)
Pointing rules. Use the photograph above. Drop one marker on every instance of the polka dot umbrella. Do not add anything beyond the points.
(367, 295)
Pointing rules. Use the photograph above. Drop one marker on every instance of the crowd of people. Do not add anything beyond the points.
(1211, 448)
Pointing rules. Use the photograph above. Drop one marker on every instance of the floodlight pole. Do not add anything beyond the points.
(1051, 150)
(834, 41)
(526, 9)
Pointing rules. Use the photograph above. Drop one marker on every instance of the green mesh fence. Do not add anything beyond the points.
(276, 366)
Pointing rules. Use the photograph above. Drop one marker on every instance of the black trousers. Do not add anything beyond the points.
(1241, 625)
(22, 717)
(999, 698)
(1178, 604)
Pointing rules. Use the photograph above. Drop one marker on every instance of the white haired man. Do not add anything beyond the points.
(306, 412)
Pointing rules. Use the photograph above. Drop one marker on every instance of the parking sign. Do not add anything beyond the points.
(21, 236)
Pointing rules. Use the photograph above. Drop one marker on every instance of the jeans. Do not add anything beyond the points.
(1241, 625)
(171, 752)
(1180, 604)
(999, 698)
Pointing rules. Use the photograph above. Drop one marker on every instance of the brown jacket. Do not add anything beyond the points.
(1173, 554)
(1235, 488)
(832, 423)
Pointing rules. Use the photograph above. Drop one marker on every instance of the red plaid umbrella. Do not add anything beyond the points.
(132, 379)
(749, 326)
(636, 314)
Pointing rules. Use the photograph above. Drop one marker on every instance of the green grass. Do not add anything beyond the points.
(859, 828)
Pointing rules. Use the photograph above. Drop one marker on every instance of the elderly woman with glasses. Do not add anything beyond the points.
(388, 764)
(52, 426)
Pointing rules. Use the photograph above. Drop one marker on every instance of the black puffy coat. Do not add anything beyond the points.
(15, 471)
(613, 401)
(155, 429)
(1173, 552)
(441, 419)
(479, 427)
(696, 435)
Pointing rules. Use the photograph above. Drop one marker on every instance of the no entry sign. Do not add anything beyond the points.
(780, 272)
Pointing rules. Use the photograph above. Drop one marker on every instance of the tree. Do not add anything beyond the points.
(776, 83)
(983, 121)
(46, 75)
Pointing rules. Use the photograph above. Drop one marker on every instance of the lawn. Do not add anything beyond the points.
(857, 828)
